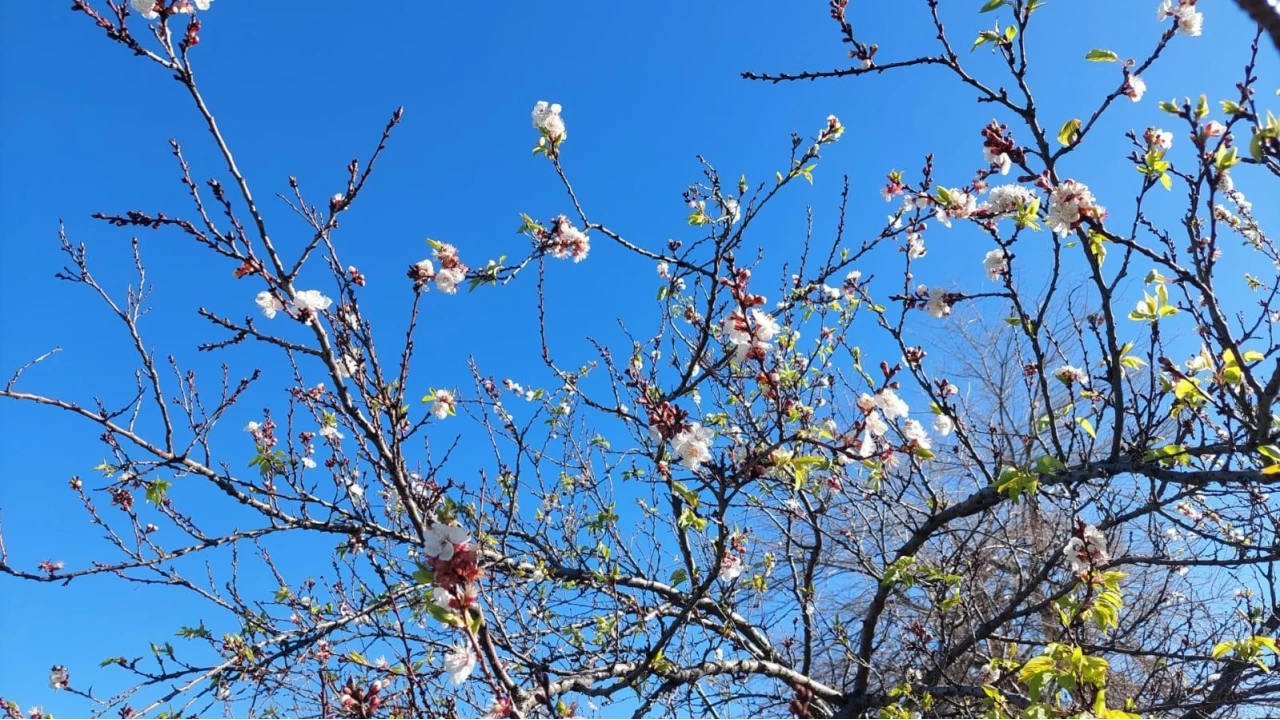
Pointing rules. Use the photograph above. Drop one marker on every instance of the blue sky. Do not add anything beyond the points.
(301, 88)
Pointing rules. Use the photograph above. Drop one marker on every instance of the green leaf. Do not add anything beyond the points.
(156, 490)
(679, 576)
(1097, 55)
(1222, 649)
(992, 5)
(1069, 132)
(1087, 426)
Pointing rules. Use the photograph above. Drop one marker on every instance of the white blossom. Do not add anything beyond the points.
(891, 405)
(693, 445)
(444, 404)
(1087, 551)
(448, 279)
(311, 300)
(866, 403)
(331, 432)
(59, 679)
(308, 463)
(269, 304)
(1006, 199)
(731, 567)
(145, 8)
(938, 306)
(1069, 374)
(915, 246)
(943, 425)
(546, 117)
(959, 205)
(996, 263)
(354, 489)
(1002, 160)
(876, 426)
(1135, 87)
(459, 663)
(442, 540)
(1069, 203)
(732, 213)
(914, 431)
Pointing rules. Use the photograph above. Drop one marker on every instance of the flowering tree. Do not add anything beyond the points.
(741, 511)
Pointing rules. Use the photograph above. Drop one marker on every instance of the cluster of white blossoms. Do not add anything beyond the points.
(442, 541)
(1008, 199)
(1069, 374)
(937, 306)
(444, 404)
(750, 339)
(452, 272)
(1190, 22)
(59, 678)
(693, 445)
(305, 302)
(1088, 551)
(459, 663)
(1069, 203)
(546, 117)
(150, 9)
(996, 263)
(567, 241)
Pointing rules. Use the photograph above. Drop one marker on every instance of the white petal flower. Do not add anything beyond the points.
(59, 678)
(269, 304)
(448, 280)
(1087, 551)
(331, 432)
(915, 432)
(1069, 374)
(876, 426)
(693, 445)
(938, 306)
(943, 425)
(891, 405)
(311, 300)
(1006, 199)
(442, 540)
(1135, 87)
(1069, 204)
(459, 663)
(996, 263)
(145, 8)
(444, 404)
(731, 568)
(546, 117)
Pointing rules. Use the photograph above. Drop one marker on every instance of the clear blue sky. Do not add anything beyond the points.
(301, 88)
